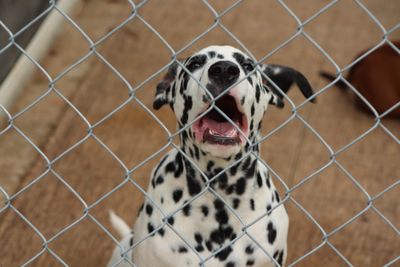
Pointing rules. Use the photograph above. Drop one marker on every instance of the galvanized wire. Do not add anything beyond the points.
(131, 97)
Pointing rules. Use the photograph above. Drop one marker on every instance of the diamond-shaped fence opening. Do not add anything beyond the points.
(82, 138)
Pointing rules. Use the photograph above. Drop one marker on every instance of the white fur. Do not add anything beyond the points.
(119, 224)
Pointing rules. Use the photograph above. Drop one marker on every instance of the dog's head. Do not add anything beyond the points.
(219, 96)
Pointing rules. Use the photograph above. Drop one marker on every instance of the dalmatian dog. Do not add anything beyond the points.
(211, 201)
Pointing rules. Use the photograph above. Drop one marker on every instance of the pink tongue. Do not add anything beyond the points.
(219, 128)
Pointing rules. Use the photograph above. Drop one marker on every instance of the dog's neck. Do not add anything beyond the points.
(202, 168)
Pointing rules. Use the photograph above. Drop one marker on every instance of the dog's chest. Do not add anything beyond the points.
(218, 228)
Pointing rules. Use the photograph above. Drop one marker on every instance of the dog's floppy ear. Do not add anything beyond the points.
(284, 77)
(164, 87)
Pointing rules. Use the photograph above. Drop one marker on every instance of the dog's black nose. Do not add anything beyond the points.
(223, 74)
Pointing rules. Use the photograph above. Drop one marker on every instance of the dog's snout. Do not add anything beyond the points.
(223, 73)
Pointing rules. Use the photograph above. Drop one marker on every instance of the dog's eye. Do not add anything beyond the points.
(248, 66)
(193, 65)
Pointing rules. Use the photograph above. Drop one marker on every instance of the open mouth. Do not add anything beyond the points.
(214, 128)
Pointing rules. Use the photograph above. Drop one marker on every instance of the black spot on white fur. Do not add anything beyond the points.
(278, 256)
(177, 195)
(149, 209)
(271, 233)
(249, 249)
(204, 210)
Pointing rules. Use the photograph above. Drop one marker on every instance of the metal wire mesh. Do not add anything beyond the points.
(93, 51)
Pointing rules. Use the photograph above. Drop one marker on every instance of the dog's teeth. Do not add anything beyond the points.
(231, 133)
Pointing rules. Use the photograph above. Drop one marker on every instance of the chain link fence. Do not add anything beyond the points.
(131, 96)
